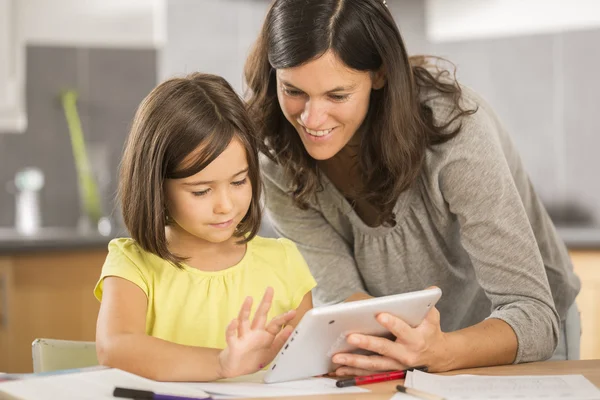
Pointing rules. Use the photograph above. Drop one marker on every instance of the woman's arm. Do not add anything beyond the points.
(477, 190)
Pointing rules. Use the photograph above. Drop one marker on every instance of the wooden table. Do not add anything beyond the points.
(384, 391)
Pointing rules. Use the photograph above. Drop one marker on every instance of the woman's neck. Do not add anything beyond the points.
(343, 170)
(202, 254)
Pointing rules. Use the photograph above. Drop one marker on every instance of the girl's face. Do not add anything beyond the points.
(326, 102)
(210, 205)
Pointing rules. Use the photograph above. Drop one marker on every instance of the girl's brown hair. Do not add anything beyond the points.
(364, 35)
(177, 117)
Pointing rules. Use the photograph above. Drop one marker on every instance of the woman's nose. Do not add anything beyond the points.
(313, 115)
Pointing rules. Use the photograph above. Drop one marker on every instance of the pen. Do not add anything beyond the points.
(148, 395)
(375, 378)
(418, 393)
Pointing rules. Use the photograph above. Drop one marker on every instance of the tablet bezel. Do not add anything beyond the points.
(323, 330)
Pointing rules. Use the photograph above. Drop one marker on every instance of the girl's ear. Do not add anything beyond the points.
(378, 78)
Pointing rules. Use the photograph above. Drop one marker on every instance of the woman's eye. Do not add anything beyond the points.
(239, 183)
(292, 92)
(201, 192)
(339, 97)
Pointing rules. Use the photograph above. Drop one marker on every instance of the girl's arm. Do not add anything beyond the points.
(304, 306)
(122, 342)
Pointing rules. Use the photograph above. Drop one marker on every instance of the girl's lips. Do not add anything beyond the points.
(225, 224)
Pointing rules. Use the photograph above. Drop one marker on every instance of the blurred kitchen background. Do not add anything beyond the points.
(535, 61)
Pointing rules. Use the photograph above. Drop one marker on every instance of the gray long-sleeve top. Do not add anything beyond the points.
(471, 224)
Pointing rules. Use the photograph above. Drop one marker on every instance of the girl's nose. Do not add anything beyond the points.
(223, 204)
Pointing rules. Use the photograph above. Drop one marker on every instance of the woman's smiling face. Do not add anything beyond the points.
(326, 102)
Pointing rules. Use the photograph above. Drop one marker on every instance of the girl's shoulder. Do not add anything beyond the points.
(276, 248)
(128, 251)
(124, 247)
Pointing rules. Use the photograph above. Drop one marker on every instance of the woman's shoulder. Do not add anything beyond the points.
(272, 172)
(480, 131)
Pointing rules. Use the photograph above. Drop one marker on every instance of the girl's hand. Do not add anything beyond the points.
(424, 345)
(252, 346)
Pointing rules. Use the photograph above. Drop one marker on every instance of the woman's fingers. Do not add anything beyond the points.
(350, 371)
(243, 322)
(366, 363)
(379, 345)
(404, 333)
(260, 318)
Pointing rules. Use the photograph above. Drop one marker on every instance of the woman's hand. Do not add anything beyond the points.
(252, 346)
(424, 345)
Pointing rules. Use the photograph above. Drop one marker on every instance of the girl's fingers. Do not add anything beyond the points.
(260, 318)
(282, 336)
(276, 323)
(243, 322)
(231, 332)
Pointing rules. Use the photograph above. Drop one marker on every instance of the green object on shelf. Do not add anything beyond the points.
(88, 190)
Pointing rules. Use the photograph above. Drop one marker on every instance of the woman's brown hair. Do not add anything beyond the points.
(364, 35)
(177, 117)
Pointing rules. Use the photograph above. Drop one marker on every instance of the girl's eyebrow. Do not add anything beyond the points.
(336, 89)
(209, 182)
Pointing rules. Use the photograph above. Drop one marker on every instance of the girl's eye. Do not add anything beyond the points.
(292, 92)
(240, 183)
(201, 192)
(339, 97)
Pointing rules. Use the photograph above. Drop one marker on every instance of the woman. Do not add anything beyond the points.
(391, 177)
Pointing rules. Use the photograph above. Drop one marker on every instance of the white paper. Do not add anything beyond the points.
(471, 387)
(253, 386)
(402, 396)
(91, 385)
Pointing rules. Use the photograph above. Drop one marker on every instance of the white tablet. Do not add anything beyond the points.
(323, 330)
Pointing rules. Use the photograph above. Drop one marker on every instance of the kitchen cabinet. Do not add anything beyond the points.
(587, 267)
(49, 294)
(46, 294)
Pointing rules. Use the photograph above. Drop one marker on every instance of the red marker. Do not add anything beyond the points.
(376, 378)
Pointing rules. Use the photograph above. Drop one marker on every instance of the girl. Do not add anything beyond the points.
(391, 177)
(189, 188)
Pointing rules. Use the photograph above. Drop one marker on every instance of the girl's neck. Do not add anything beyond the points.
(204, 255)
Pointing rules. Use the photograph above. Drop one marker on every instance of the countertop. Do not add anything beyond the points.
(50, 239)
(60, 239)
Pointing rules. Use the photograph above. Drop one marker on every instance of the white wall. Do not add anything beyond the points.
(12, 113)
(84, 23)
(451, 20)
(104, 23)
(212, 36)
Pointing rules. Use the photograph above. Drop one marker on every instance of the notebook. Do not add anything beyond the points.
(478, 387)
(94, 383)
(89, 384)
